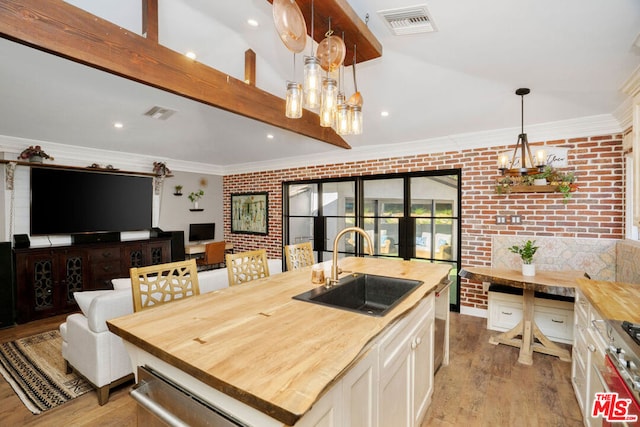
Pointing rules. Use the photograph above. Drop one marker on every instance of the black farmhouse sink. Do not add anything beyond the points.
(363, 293)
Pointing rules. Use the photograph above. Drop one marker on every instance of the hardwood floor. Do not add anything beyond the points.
(482, 386)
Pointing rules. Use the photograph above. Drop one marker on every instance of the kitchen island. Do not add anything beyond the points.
(267, 359)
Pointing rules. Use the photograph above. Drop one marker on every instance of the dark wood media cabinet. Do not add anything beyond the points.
(47, 277)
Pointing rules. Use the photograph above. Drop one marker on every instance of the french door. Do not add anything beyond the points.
(408, 216)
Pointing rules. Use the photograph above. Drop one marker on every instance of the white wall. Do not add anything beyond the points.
(174, 210)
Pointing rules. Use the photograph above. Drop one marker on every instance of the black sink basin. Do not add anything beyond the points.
(363, 293)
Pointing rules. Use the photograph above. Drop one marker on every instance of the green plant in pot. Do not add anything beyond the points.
(178, 190)
(194, 196)
(526, 252)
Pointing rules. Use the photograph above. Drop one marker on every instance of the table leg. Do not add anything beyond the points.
(532, 339)
(526, 350)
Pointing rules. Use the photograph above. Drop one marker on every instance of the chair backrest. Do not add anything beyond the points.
(246, 266)
(162, 283)
(214, 253)
(298, 255)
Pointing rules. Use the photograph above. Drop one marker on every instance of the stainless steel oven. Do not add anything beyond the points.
(616, 398)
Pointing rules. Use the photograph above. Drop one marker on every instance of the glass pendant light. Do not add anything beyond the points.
(355, 112)
(328, 102)
(294, 100)
(312, 79)
(312, 82)
(293, 108)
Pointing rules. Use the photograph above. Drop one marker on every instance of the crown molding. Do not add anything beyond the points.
(565, 129)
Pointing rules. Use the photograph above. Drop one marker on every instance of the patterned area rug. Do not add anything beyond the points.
(35, 369)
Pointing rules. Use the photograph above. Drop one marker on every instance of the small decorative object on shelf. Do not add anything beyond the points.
(526, 252)
(178, 191)
(194, 196)
(161, 169)
(34, 154)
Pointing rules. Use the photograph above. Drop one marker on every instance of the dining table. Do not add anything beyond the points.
(526, 335)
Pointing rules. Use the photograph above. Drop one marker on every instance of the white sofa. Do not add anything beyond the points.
(97, 354)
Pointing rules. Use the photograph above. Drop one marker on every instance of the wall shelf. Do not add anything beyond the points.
(87, 168)
(533, 189)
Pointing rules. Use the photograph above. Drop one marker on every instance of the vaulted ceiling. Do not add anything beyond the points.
(440, 88)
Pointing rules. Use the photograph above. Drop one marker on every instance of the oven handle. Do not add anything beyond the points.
(139, 394)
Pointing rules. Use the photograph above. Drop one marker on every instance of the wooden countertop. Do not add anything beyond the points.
(613, 300)
(261, 347)
(550, 282)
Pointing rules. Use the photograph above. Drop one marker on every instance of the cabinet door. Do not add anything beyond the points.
(422, 359)
(38, 293)
(360, 392)
(395, 391)
(72, 278)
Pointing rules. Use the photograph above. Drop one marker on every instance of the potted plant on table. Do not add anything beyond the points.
(526, 252)
(34, 154)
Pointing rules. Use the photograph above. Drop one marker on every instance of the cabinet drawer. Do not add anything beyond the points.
(556, 324)
(104, 254)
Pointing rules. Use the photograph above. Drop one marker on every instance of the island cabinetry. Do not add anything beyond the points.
(406, 367)
(588, 355)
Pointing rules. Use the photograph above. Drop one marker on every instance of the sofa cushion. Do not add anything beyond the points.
(122, 283)
(85, 298)
(109, 306)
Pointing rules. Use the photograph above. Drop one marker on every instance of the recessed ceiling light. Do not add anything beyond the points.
(252, 22)
(118, 125)
(270, 136)
(384, 113)
(191, 55)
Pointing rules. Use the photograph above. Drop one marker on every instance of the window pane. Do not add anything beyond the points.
(384, 197)
(303, 199)
(333, 226)
(338, 198)
(300, 230)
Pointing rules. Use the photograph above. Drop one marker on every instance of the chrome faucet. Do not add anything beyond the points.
(335, 271)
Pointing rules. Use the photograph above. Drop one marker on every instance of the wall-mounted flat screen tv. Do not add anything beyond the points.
(65, 201)
(202, 232)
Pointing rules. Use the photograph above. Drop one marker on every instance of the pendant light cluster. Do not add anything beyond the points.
(322, 88)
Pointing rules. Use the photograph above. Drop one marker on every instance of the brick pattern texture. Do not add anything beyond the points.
(595, 210)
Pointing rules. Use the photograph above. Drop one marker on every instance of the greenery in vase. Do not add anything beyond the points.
(33, 151)
(526, 251)
(178, 189)
(194, 196)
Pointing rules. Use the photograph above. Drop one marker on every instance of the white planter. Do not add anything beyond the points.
(528, 269)
(541, 181)
(195, 205)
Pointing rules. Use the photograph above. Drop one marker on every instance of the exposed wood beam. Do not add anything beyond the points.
(65, 30)
(343, 19)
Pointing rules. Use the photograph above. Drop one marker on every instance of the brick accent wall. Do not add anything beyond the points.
(595, 210)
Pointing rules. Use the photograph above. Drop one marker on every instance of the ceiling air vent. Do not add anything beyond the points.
(408, 20)
(160, 113)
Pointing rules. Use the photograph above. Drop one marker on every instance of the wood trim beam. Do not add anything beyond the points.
(150, 19)
(67, 31)
(250, 67)
(343, 19)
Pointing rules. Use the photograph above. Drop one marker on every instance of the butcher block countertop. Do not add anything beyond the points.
(613, 300)
(261, 347)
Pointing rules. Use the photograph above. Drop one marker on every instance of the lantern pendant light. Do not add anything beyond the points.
(293, 109)
(312, 83)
